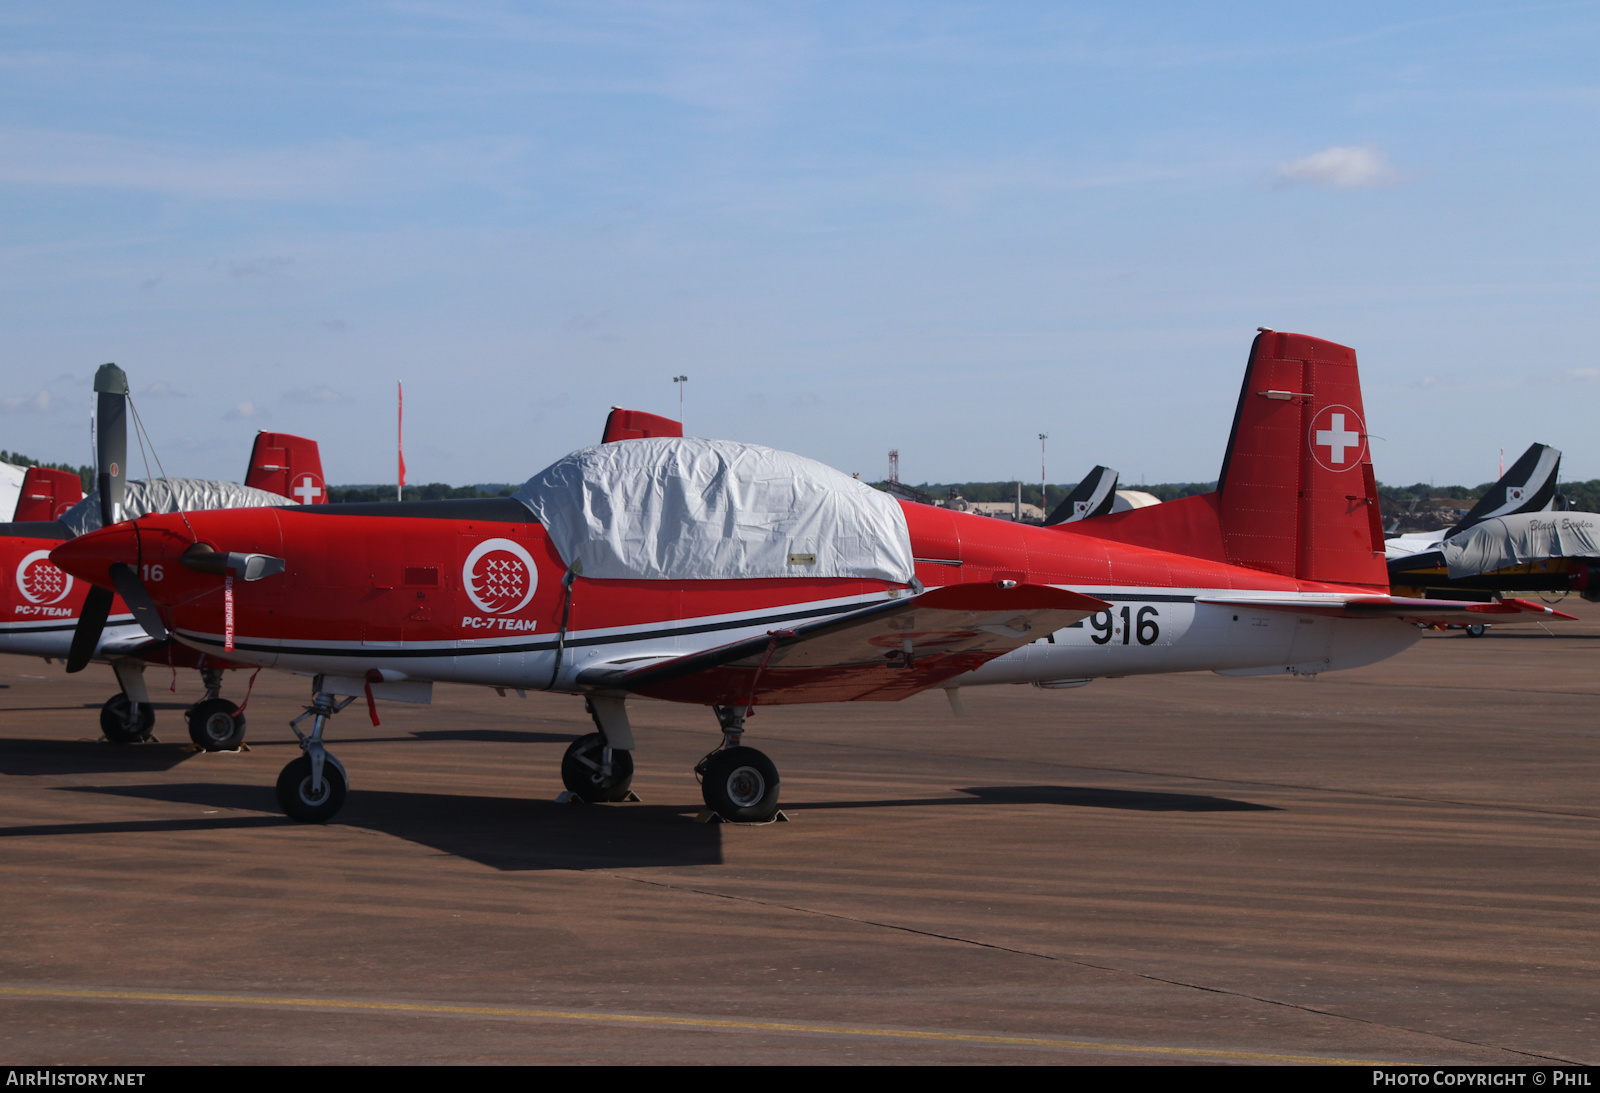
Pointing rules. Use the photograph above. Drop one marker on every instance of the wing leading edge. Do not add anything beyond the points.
(884, 653)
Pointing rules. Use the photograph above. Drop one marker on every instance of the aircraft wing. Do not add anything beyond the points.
(1431, 612)
(885, 652)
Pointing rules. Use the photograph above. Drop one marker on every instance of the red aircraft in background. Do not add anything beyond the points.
(40, 606)
(734, 576)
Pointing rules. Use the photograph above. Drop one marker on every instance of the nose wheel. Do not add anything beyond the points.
(312, 788)
(301, 798)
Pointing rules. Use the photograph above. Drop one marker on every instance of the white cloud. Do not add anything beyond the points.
(39, 402)
(1355, 168)
(241, 412)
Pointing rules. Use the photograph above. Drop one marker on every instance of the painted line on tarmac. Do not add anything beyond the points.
(675, 1022)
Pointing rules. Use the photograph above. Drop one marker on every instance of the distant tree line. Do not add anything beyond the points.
(433, 491)
(1583, 496)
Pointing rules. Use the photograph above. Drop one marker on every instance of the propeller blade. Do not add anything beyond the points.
(137, 597)
(91, 622)
(111, 441)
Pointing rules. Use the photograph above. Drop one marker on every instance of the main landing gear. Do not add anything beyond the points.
(738, 783)
(312, 788)
(128, 717)
(599, 765)
(126, 722)
(215, 724)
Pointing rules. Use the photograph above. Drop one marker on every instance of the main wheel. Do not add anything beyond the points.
(580, 770)
(1476, 630)
(215, 725)
(740, 784)
(115, 723)
(297, 799)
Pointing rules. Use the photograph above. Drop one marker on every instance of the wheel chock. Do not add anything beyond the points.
(567, 797)
(707, 816)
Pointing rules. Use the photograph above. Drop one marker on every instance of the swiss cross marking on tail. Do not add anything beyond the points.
(1338, 438)
(306, 489)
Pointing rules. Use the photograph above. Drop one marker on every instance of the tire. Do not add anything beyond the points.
(215, 725)
(294, 792)
(114, 721)
(1476, 630)
(740, 784)
(580, 775)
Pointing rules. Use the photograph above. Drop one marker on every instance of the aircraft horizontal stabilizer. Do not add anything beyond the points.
(1430, 612)
(884, 653)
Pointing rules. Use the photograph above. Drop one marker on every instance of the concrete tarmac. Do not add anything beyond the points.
(1394, 864)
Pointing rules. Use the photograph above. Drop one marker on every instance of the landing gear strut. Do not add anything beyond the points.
(215, 724)
(738, 783)
(312, 788)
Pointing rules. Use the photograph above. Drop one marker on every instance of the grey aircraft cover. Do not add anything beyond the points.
(1520, 539)
(171, 495)
(677, 508)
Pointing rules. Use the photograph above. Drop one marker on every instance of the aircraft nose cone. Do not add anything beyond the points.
(89, 557)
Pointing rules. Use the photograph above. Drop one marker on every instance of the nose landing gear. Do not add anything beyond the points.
(738, 783)
(312, 788)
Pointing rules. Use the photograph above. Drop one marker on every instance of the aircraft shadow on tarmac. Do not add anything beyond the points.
(1075, 796)
(31, 758)
(509, 833)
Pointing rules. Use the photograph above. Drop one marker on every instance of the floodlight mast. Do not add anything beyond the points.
(1044, 508)
(680, 381)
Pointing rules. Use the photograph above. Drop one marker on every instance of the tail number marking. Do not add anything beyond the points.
(1142, 626)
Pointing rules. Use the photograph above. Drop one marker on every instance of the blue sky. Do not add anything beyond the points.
(942, 228)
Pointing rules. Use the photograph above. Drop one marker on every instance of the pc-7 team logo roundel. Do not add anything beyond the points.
(499, 576)
(1338, 438)
(40, 581)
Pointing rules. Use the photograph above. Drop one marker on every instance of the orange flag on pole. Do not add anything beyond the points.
(400, 438)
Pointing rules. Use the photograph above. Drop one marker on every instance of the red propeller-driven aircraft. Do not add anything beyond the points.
(41, 606)
(735, 577)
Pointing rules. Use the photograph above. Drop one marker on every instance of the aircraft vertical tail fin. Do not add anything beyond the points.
(1529, 486)
(1297, 495)
(47, 493)
(1094, 496)
(635, 424)
(288, 465)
